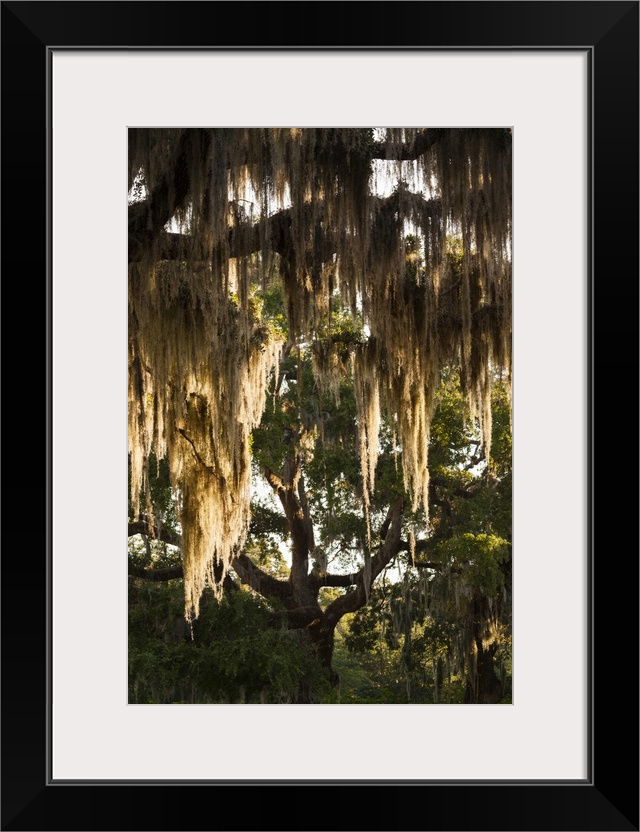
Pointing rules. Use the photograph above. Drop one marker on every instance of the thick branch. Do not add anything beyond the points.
(273, 232)
(284, 487)
(297, 618)
(300, 528)
(306, 513)
(171, 246)
(263, 583)
(148, 218)
(247, 571)
(324, 579)
(466, 491)
(154, 532)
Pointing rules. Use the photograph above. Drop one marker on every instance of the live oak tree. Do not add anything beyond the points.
(354, 224)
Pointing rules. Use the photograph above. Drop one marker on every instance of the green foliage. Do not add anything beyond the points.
(266, 552)
(418, 640)
(234, 656)
(392, 651)
(480, 557)
(453, 441)
(501, 444)
(267, 305)
(341, 328)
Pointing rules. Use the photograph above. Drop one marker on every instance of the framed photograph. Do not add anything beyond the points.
(89, 85)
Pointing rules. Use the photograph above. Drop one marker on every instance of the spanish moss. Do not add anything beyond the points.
(409, 229)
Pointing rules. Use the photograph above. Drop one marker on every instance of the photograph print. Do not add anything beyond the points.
(319, 415)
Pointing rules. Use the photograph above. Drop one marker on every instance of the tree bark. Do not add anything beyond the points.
(483, 686)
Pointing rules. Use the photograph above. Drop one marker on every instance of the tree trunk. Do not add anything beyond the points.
(322, 637)
(483, 686)
(486, 688)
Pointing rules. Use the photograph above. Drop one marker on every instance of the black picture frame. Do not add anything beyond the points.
(608, 798)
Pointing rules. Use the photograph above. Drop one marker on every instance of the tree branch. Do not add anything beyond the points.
(148, 217)
(259, 580)
(353, 601)
(295, 619)
(247, 571)
(300, 528)
(274, 480)
(325, 579)
(183, 433)
(272, 232)
(154, 532)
